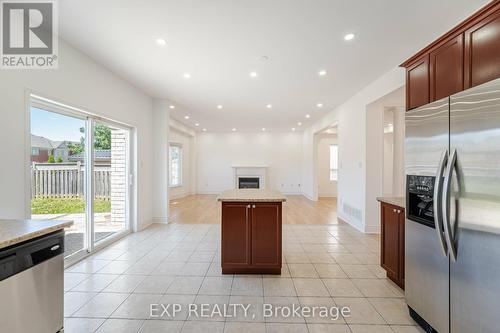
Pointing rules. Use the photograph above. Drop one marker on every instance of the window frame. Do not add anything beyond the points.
(181, 157)
(334, 171)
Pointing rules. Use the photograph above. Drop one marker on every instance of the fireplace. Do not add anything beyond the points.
(248, 182)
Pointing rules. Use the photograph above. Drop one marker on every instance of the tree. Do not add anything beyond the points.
(59, 159)
(51, 159)
(102, 140)
(102, 137)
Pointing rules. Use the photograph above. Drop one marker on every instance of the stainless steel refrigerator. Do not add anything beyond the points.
(452, 268)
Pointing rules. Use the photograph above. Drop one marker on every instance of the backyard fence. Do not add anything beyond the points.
(67, 180)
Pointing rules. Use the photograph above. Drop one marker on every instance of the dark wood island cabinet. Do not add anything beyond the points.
(251, 230)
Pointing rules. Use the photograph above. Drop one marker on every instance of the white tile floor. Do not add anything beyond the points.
(332, 265)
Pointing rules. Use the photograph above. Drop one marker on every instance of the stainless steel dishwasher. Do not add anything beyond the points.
(32, 285)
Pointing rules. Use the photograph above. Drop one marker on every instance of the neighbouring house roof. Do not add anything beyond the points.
(44, 143)
(99, 155)
(41, 142)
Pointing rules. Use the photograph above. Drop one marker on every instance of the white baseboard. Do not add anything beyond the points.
(307, 196)
(372, 229)
(163, 220)
(356, 224)
(327, 195)
(180, 195)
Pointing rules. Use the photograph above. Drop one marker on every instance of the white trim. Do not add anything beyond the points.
(372, 229)
(358, 225)
(160, 220)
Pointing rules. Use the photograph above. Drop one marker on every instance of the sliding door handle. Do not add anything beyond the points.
(452, 165)
(438, 211)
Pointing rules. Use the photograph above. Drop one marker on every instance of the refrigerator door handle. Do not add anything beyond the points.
(438, 211)
(452, 165)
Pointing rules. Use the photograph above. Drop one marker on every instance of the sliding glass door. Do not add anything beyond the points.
(80, 171)
(111, 180)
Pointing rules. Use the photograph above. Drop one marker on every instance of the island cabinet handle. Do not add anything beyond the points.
(394, 210)
(253, 206)
(248, 206)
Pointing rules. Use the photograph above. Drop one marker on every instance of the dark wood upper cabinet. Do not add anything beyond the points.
(466, 56)
(447, 69)
(417, 81)
(482, 56)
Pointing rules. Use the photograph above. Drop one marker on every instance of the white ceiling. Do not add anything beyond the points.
(220, 42)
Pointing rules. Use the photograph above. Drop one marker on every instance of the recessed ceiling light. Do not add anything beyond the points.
(186, 117)
(204, 130)
(349, 36)
(263, 129)
(172, 106)
(187, 75)
(234, 130)
(293, 129)
(196, 124)
(269, 106)
(299, 123)
(254, 74)
(319, 105)
(161, 42)
(322, 73)
(308, 116)
(219, 106)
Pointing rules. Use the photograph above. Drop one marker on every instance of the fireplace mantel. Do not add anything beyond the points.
(250, 171)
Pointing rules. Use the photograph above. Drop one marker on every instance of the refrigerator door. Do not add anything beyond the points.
(475, 209)
(426, 267)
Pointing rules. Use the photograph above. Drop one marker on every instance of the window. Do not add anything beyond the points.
(334, 162)
(35, 151)
(175, 156)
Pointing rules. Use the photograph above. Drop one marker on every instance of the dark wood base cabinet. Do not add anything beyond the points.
(392, 255)
(251, 237)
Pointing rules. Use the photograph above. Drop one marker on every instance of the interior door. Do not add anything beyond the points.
(266, 234)
(475, 209)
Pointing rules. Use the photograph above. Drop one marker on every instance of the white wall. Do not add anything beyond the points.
(375, 154)
(160, 160)
(186, 141)
(80, 82)
(218, 152)
(352, 127)
(326, 187)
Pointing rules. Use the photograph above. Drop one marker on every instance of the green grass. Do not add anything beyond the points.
(66, 206)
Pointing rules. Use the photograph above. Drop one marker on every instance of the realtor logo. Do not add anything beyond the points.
(29, 39)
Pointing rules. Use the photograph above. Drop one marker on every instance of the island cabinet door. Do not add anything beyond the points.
(266, 234)
(236, 233)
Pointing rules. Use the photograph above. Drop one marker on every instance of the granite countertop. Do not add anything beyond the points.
(252, 195)
(396, 201)
(17, 231)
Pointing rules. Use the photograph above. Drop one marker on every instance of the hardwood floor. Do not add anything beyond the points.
(204, 209)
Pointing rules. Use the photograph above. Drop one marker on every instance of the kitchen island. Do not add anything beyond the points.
(251, 231)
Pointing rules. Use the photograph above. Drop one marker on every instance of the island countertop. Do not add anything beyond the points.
(396, 201)
(252, 195)
(17, 231)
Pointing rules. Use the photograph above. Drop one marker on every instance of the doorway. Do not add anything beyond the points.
(80, 167)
